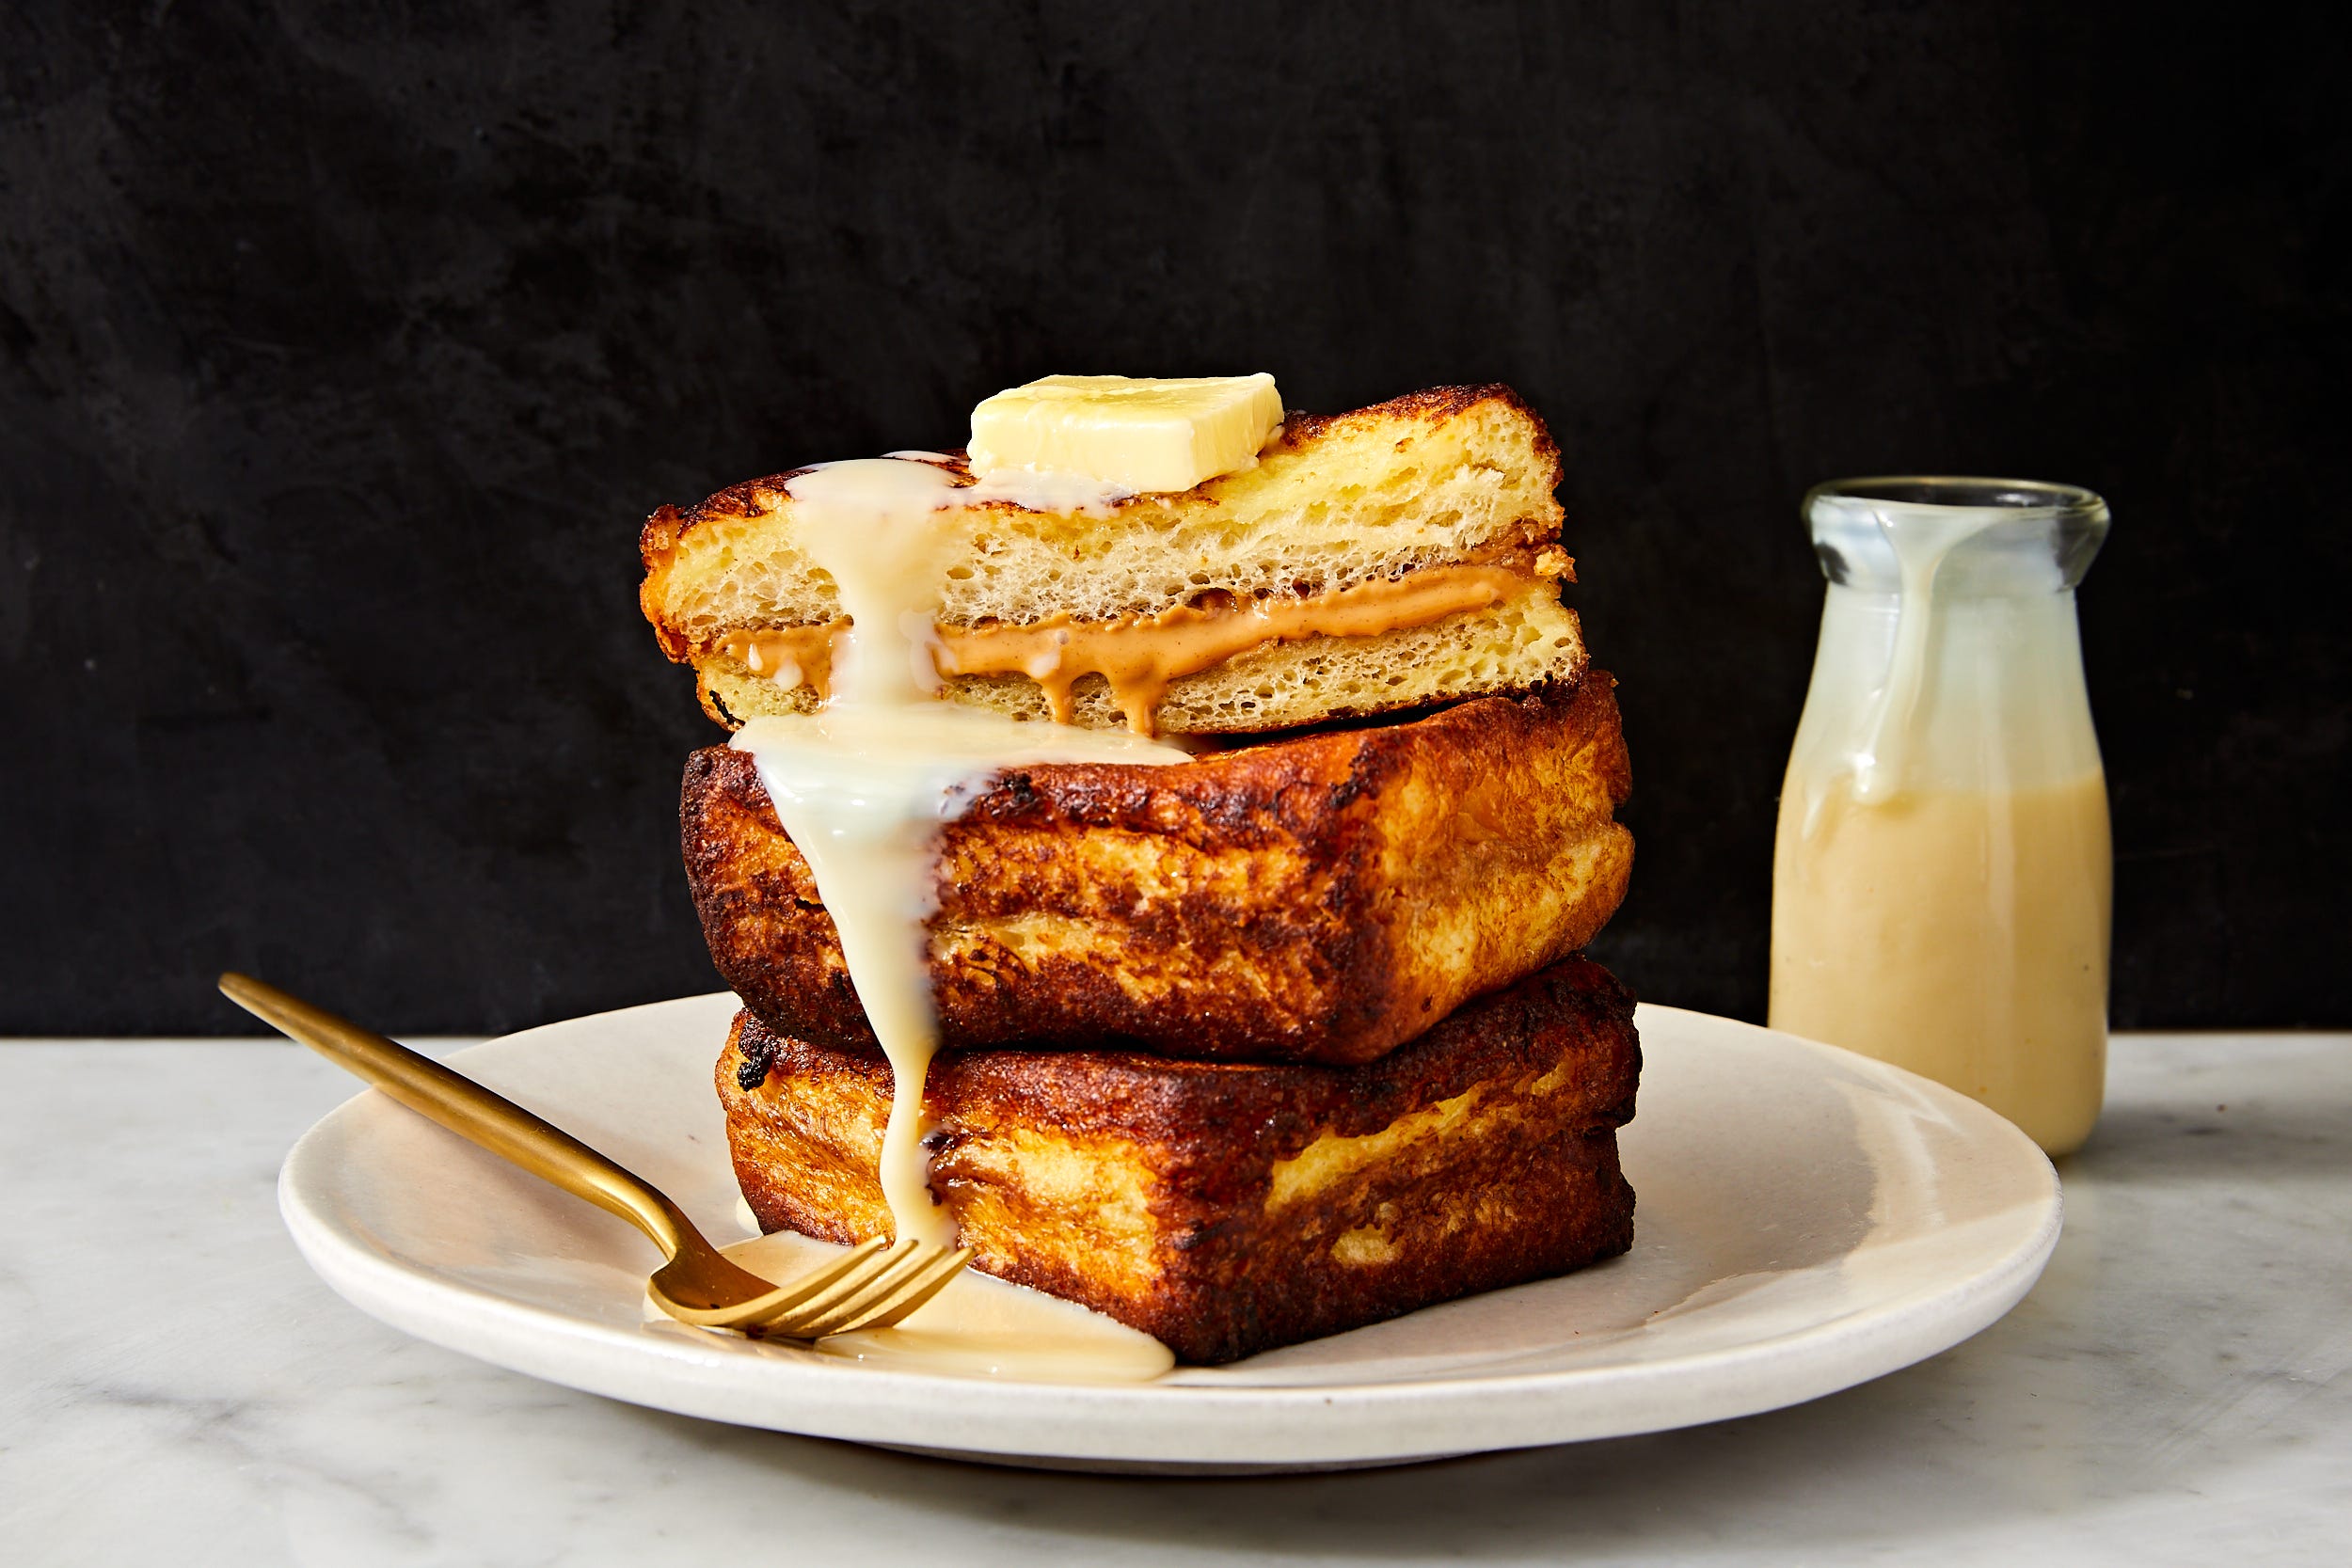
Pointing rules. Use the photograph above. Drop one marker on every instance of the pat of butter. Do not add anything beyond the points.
(1135, 432)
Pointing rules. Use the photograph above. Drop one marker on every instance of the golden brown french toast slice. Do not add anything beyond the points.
(1321, 898)
(1229, 1208)
(1372, 562)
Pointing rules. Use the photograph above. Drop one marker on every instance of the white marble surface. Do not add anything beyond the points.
(175, 1388)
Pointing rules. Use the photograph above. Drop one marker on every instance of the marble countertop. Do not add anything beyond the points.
(175, 1386)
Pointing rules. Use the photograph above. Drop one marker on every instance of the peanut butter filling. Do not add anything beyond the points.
(1140, 655)
(789, 656)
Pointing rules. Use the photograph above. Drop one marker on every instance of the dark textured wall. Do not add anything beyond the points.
(342, 348)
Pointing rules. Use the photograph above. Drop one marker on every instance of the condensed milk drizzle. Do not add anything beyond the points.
(978, 1326)
(1920, 544)
(863, 785)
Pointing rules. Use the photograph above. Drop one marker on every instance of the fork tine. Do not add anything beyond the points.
(880, 1283)
(885, 1275)
(902, 1300)
(787, 1318)
(837, 1273)
(752, 1311)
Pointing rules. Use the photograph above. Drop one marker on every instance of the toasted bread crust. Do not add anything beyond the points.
(1318, 899)
(1225, 1209)
(1429, 406)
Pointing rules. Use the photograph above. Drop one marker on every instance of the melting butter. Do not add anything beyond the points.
(1138, 434)
(1047, 491)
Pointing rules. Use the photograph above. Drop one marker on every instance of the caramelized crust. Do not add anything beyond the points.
(1227, 1208)
(1322, 898)
(1431, 405)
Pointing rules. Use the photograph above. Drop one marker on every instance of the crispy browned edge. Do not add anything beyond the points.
(658, 541)
(1226, 1278)
(1315, 960)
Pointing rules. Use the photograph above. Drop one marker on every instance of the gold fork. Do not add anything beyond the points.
(873, 1286)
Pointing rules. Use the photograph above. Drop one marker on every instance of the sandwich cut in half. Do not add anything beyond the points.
(1367, 563)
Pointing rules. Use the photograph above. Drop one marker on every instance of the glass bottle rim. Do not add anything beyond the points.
(2031, 536)
(2029, 497)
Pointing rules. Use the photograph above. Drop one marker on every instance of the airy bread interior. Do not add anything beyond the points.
(1437, 477)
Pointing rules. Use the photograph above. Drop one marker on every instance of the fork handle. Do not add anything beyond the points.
(469, 1110)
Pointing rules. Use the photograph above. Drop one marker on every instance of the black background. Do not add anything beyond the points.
(344, 347)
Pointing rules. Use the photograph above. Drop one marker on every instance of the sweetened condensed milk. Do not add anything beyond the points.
(863, 786)
(1942, 870)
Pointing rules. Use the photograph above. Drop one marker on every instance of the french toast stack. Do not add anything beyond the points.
(1284, 1040)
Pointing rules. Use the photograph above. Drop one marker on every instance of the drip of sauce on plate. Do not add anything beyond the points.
(978, 1326)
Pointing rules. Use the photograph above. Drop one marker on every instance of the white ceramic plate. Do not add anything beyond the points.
(1806, 1219)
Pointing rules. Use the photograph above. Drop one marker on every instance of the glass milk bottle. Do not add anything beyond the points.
(1941, 876)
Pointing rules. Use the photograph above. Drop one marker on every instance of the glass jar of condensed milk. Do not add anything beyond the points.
(1942, 876)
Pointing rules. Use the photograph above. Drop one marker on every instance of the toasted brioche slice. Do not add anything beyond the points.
(1370, 562)
(1227, 1208)
(1321, 898)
